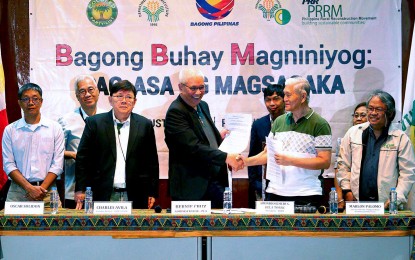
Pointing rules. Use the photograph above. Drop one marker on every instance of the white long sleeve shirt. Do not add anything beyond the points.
(35, 150)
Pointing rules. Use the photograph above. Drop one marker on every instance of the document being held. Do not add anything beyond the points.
(287, 176)
(274, 172)
(239, 126)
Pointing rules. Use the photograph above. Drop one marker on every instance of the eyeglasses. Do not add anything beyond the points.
(35, 100)
(361, 115)
(82, 92)
(129, 99)
(195, 88)
(377, 109)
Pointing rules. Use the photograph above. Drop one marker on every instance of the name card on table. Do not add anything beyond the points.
(24, 208)
(274, 207)
(112, 207)
(190, 207)
(365, 208)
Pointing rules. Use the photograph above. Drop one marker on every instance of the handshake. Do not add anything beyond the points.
(236, 161)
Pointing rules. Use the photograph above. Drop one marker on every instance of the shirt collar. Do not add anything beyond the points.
(84, 114)
(22, 123)
(290, 118)
(392, 129)
(127, 122)
(190, 108)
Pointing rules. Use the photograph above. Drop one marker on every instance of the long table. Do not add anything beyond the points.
(149, 235)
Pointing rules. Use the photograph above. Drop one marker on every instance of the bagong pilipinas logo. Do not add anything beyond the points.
(101, 13)
(214, 9)
(153, 10)
(271, 9)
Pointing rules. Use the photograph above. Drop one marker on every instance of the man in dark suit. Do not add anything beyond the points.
(117, 155)
(274, 101)
(197, 168)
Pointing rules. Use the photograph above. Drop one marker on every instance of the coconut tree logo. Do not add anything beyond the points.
(153, 11)
(101, 8)
(102, 12)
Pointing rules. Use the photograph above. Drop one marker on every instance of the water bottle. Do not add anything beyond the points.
(333, 202)
(89, 209)
(227, 200)
(393, 199)
(54, 200)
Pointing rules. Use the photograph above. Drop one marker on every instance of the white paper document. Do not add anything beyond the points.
(274, 172)
(282, 175)
(239, 126)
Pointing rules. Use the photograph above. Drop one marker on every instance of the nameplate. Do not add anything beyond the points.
(190, 207)
(365, 208)
(24, 208)
(274, 207)
(112, 207)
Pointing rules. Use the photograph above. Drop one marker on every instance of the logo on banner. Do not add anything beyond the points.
(282, 17)
(153, 9)
(214, 9)
(101, 13)
(272, 10)
(318, 14)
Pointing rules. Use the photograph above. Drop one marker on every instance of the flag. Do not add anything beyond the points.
(3, 119)
(408, 113)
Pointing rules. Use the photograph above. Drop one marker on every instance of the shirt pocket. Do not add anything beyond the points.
(389, 152)
(355, 147)
(46, 147)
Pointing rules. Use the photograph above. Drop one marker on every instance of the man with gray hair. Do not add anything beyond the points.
(197, 168)
(306, 148)
(73, 124)
(375, 156)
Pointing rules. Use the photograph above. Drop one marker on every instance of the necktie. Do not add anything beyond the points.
(199, 114)
(119, 126)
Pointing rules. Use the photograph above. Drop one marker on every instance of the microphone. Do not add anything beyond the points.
(157, 209)
(322, 210)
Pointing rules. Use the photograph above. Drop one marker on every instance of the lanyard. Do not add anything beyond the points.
(82, 115)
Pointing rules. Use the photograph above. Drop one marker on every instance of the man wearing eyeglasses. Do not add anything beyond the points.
(375, 156)
(73, 124)
(33, 148)
(117, 154)
(197, 168)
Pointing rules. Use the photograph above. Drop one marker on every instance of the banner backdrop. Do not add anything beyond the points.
(345, 48)
(408, 115)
